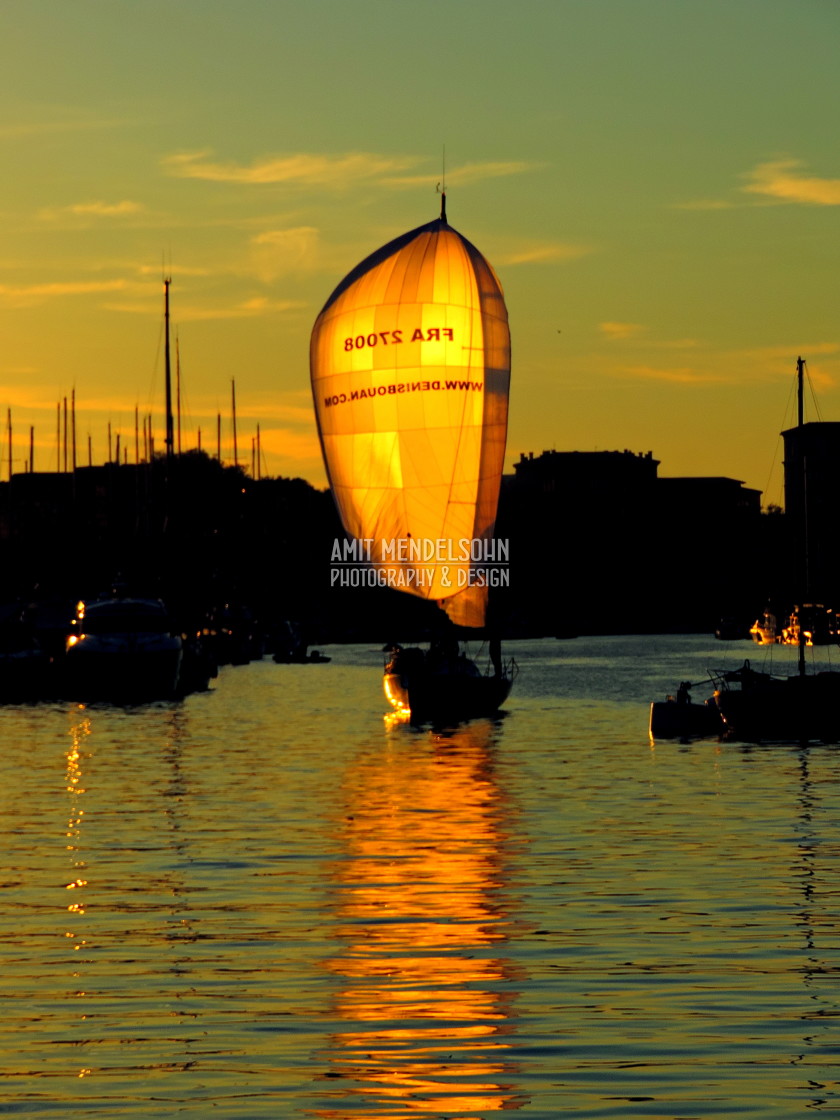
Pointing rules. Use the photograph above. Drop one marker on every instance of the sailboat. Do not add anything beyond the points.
(756, 706)
(410, 366)
(819, 624)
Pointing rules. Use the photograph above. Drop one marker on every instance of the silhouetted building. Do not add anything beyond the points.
(812, 504)
(600, 543)
(730, 502)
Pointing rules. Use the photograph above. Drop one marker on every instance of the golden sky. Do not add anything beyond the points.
(656, 183)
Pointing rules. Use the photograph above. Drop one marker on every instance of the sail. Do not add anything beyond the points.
(410, 364)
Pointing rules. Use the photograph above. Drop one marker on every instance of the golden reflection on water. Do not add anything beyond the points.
(79, 731)
(422, 912)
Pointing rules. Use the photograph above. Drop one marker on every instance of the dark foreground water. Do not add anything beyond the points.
(264, 902)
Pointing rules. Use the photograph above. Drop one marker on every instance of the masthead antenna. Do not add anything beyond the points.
(442, 187)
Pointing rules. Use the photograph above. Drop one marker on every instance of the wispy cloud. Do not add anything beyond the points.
(472, 172)
(260, 407)
(248, 309)
(18, 129)
(279, 252)
(774, 363)
(468, 173)
(302, 169)
(92, 210)
(337, 171)
(18, 394)
(682, 375)
(544, 254)
(27, 295)
(177, 271)
(107, 209)
(783, 180)
(620, 330)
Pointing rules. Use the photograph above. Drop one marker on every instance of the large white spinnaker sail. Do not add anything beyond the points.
(410, 364)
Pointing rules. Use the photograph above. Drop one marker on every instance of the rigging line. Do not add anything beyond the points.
(789, 415)
(788, 420)
(812, 392)
(770, 475)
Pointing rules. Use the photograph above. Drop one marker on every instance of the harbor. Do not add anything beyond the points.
(419, 608)
(261, 901)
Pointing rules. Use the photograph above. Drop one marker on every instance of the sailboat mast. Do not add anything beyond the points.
(178, 388)
(800, 418)
(233, 416)
(800, 392)
(169, 440)
(73, 428)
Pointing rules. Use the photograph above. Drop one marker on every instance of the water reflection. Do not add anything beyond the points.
(123, 837)
(75, 757)
(809, 916)
(422, 911)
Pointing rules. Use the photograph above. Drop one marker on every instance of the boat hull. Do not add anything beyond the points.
(670, 719)
(123, 672)
(791, 710)
(435, 697)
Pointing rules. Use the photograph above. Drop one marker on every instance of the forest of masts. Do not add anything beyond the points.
(119, 452)
(122, 451)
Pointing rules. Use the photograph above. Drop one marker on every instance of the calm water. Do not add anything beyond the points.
(266, 902)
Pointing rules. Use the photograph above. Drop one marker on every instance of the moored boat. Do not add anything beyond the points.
(122, 649)
(815, 623)
(800, 707)
(679, 717)
(759, 707)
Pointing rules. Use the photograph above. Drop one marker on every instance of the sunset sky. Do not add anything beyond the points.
(656, 182)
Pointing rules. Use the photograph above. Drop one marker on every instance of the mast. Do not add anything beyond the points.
(233, 414)
(178, 387)
(800, 423)
(73, 428)
(169, 425)
(800, 392)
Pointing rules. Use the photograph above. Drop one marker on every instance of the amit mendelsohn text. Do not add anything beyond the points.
(409, 550)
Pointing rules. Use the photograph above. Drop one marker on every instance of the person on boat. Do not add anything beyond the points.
(495, 648)
(404, 660)
(443, 656)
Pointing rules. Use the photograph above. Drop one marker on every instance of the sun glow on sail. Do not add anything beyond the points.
(410, 364)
